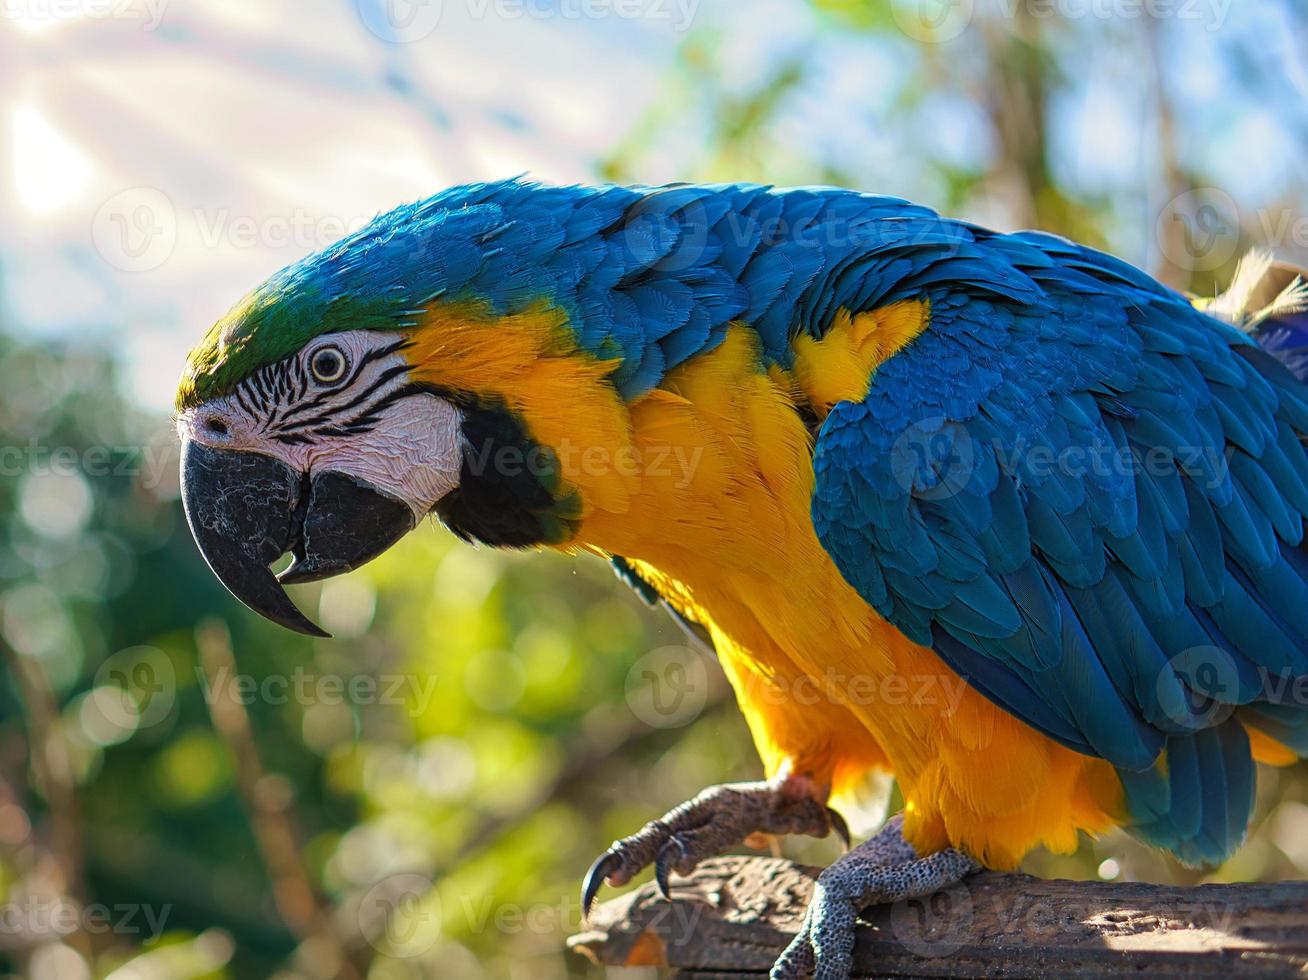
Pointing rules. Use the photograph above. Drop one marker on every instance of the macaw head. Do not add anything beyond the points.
(333, 453)
(429, 363)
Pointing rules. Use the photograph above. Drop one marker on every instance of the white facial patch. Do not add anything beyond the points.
(413, 453)
(344, 403)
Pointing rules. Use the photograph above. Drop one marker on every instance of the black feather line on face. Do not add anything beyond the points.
(399, 394)
(274, 398)
(240, 400)
(390, 374)
(332, 431)
(361, 425)
(323, 397)
(367, 419)
(263, 387)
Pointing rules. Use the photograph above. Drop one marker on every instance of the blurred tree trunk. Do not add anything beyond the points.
(51, 769)
(1175, 180)
(1016, 91)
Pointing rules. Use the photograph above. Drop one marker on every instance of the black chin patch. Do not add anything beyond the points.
(510, 492)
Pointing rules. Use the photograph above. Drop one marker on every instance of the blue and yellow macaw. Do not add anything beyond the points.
(996, 513)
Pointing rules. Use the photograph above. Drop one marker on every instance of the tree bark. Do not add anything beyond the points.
(734, 915)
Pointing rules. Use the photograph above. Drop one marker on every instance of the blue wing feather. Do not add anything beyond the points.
(1127, 608)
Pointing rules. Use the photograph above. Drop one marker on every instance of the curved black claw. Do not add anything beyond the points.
(670, 855)
(718, 819)
(605, 865)
(840, 828)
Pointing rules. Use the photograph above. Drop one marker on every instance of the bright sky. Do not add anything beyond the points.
(160, 157)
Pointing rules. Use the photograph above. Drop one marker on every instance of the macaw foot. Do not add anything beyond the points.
(883, 869)
(716, 820)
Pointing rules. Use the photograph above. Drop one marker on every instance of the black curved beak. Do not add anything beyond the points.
(347, 524)
(247, 509)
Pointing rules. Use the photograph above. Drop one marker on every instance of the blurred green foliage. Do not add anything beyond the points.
(469, 724)
(484, 724)
(478, 722)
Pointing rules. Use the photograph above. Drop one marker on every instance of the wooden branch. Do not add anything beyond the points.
(294, 895)
(733, 916)
(50, 763)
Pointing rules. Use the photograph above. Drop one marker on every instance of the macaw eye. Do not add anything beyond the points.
(328, 364)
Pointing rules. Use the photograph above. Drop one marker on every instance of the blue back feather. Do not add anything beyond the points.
(1132, 473)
